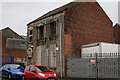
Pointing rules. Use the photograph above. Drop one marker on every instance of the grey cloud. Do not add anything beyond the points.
(18, 14)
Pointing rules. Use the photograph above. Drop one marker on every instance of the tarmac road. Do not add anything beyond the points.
(21, 79)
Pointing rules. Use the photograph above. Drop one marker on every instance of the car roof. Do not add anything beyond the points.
(11, 64)
(37, 65)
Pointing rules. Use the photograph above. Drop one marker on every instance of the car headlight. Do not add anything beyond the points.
(17, 72)
(43, 75)
(54, 74)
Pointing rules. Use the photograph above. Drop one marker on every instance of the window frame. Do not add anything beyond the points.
(28, 68)
(30, 33)
(7, 66)
(40, 32)
(52, 29)
(33, 69)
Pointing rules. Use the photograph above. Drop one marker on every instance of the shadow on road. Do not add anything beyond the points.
(8, 79)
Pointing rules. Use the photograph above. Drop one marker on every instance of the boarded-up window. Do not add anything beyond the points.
(52, 29)
(30, 35)
(30, 38)
(16, 44)
(31, 32)
(41, 32)
(52, 56)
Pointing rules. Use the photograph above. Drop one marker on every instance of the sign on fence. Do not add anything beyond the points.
(92, 61)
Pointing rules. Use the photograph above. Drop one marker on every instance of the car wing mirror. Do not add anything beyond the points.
(8, 68)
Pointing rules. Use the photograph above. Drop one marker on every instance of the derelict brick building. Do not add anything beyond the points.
(57, 35)
(12, 44)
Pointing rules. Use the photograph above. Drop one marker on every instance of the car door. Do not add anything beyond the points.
(6, 70)
(2, 70)
(32, 73)
(26, 72)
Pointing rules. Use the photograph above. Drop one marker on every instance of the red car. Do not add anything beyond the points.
(38, 72)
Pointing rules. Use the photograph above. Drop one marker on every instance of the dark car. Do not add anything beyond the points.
(12, 71)
(39, 72)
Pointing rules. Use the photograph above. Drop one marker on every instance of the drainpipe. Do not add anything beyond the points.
(61, 49)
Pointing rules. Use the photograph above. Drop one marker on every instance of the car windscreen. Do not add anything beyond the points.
(43, 69)
(16, 67)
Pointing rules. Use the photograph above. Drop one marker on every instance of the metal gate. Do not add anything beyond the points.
(94, 66)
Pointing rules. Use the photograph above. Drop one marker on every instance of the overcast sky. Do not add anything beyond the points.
(17, 14)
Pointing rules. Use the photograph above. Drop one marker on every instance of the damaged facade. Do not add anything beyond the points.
(57, 35)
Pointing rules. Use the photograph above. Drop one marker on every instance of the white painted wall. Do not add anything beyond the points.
(103, 48)
(109, 48)
(94, 49)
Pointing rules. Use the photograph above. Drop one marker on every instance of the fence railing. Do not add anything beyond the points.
(95, 65)
(101, 55)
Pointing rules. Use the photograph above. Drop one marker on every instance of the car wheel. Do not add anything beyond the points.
(23, 78)
(37, 79)
(9, 76)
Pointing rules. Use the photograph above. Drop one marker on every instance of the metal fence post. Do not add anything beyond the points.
(119, 66)
(96, 55)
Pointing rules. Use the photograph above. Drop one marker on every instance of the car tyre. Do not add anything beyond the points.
(37, 79)
(10, 77)
(23, 78)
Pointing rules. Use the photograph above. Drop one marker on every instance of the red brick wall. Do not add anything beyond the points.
(17, 53)
(0, 44)
(68, 44)
(87, 23)
(116, 34)
(3, 45)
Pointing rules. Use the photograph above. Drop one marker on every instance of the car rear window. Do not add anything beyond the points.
(16, 67)
(43, 69)
(28, 68)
